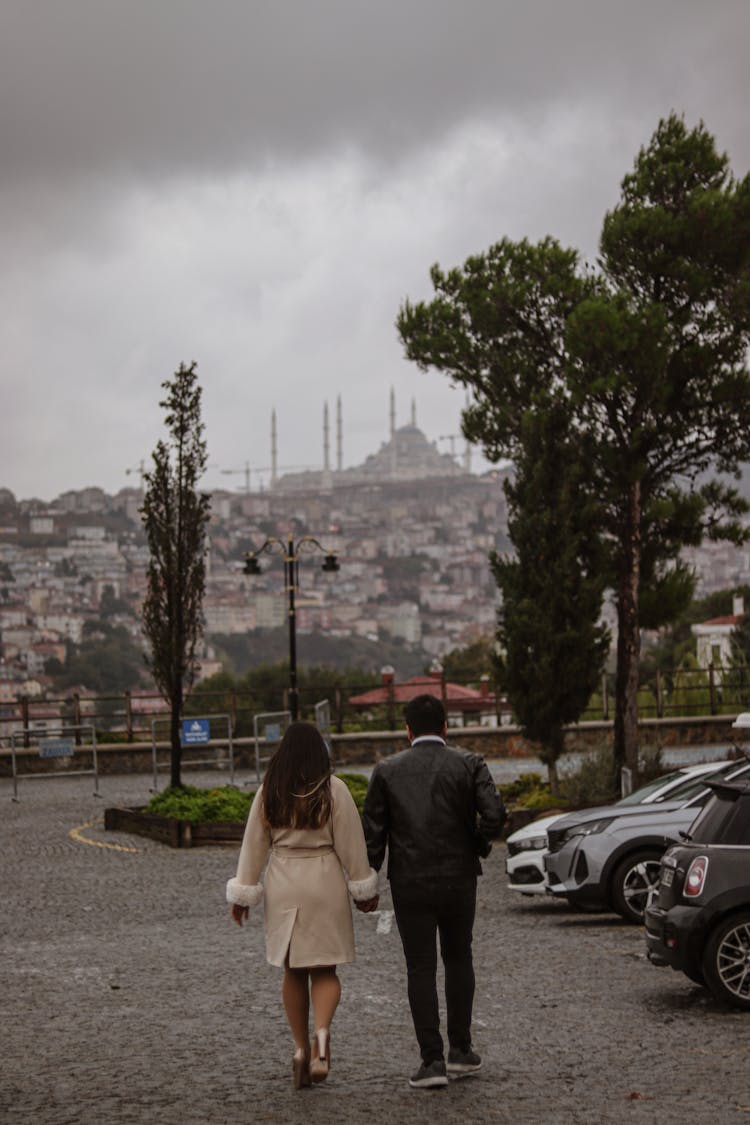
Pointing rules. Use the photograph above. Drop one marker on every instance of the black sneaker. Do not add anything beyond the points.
(429, 1074)
(461, 1063)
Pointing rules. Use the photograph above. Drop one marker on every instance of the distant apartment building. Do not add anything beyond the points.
(227, 614)
(402, 620)
(714, 637)
(68, 625)
(270, 610)
(41, 525)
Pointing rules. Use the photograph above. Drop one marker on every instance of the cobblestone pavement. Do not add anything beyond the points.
(128, 996)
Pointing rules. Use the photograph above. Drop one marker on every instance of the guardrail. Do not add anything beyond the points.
(62, 743)
(128, 716)
(195, 732)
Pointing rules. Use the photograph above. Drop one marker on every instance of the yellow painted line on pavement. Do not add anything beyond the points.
(77, 835)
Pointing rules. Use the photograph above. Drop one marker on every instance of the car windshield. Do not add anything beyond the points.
(639, 795)
(676, 790)
(685, 790)
(729, 769)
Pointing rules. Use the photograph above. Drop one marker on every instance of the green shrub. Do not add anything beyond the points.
(593, 782)
(204, 806)
(540, 800)
(357, 784)
(528, 791)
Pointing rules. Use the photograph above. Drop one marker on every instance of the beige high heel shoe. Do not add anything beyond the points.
(301, 1067)
(320, 1062)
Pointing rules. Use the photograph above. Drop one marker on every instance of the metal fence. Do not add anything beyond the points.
(61, 743)
(128, 717)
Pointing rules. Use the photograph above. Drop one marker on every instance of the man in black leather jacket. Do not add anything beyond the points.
(434, 808)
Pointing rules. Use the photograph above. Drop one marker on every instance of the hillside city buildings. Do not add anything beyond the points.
(412, 528)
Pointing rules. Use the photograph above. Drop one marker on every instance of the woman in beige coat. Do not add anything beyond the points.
(304, 821)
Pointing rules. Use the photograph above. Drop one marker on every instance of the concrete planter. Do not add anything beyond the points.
(170, 830)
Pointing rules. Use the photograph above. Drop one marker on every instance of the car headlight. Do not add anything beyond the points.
(526, 844)
(589, 828)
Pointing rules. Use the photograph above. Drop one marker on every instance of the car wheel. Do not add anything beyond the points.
(634, 879)
(726, 961)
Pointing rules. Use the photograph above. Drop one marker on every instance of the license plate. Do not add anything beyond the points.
(667, 877)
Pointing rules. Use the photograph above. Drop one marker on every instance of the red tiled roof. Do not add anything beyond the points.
(429, 684)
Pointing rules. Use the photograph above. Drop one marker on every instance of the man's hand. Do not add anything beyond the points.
(239, 913)
(368, 905)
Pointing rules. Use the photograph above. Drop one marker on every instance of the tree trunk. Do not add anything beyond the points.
(550, 755)
(628, 641)
(175, 743)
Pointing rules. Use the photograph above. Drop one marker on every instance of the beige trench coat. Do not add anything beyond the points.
(307, 910)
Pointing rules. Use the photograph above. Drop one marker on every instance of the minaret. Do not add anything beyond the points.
(274, 453)
(327, 479)
(326, 444)
(414, 413)
(393, 412)
(339, 437)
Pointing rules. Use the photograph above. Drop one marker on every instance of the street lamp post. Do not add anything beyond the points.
(291, 551)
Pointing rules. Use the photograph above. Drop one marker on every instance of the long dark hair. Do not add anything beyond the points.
(297, 785)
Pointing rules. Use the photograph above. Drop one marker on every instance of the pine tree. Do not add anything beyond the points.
(649, 352)
(175, 516)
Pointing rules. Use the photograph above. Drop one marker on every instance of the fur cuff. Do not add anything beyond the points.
(243, 895)
(363, 889)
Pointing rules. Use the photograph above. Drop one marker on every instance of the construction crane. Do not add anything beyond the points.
(246, 471)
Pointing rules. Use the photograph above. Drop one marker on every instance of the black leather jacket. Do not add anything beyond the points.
(432, 806)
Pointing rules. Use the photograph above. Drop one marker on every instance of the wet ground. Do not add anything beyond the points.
(127, 996)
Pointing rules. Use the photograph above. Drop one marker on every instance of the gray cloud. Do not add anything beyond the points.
(257, 186)
(181, 84)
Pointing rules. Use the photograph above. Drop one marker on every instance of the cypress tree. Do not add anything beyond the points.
(175, 516)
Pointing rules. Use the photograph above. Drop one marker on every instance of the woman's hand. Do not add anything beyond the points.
(368, 905)
(239, 913)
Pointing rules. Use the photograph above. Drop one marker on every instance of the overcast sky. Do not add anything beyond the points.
(257, 187)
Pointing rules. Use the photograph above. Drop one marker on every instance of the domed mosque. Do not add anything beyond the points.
(407, 456)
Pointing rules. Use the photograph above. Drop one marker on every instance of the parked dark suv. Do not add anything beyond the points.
(698, 920)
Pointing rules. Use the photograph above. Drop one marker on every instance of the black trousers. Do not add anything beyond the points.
(424, 909)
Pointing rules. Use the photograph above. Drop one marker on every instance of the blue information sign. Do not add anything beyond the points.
(56, 748)
(195, 732)
(273, 732)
